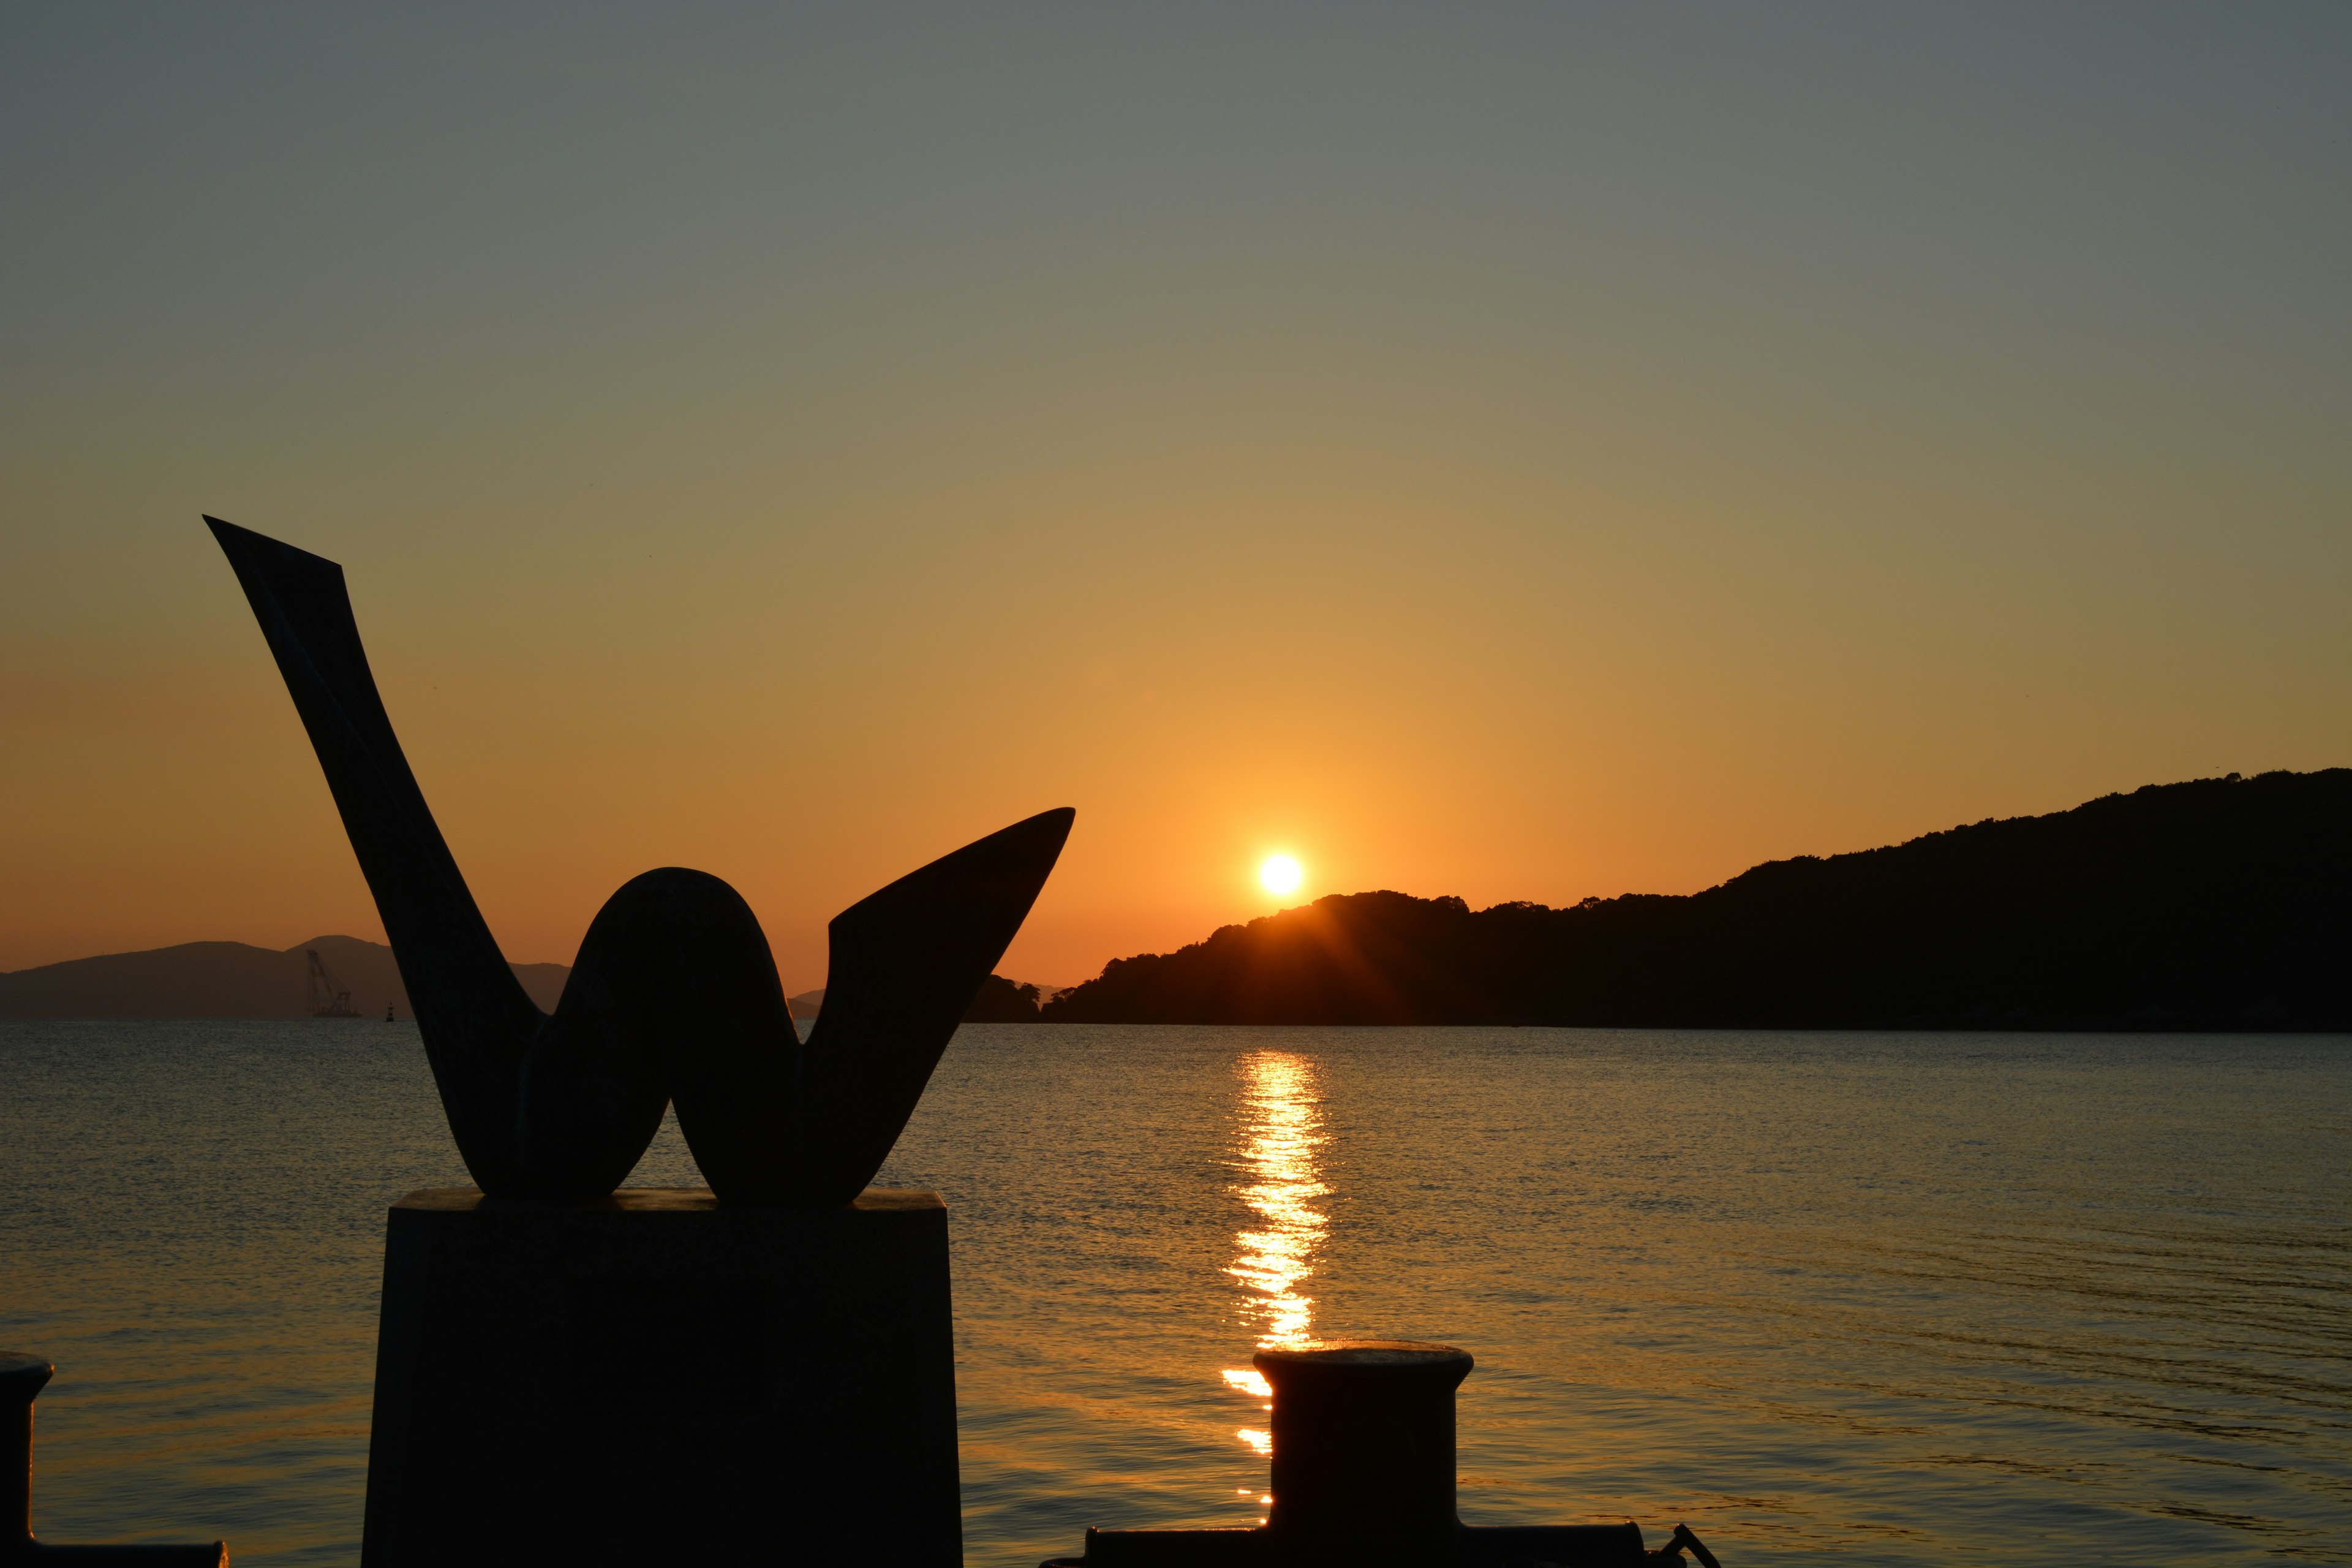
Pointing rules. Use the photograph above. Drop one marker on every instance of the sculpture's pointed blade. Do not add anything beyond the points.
(906, 963)
(476, 1019)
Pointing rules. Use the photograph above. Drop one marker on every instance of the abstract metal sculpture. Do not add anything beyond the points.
(673, 997)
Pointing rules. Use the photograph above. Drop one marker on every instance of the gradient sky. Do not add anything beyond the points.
(1519, 452)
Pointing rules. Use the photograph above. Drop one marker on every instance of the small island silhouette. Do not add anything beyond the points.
(2214, 905)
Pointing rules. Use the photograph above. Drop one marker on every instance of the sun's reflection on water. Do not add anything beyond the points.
(1280, 1124)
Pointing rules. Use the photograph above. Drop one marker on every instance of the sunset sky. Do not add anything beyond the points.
(1518, 452)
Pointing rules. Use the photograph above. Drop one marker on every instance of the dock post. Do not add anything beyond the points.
(22, 1378)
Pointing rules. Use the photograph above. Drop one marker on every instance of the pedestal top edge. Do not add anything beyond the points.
(1363, 1352)
(658, 1200)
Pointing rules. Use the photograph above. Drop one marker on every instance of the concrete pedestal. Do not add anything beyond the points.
(652, 1378)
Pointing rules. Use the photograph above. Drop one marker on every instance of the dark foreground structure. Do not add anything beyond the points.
(1363, 1478)
(658, 1377)
(2222, 904)
(759, 1372)
(764, 1371)
(22, 1378)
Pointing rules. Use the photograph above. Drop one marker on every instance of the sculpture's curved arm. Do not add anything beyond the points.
(905, 964)
(477, 1020)
(674, 996)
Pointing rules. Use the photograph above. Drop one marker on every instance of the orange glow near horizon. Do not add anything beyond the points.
(1490, 494)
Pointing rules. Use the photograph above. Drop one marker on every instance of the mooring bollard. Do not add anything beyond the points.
(1363, 1475)
(21, 1378)
(1363, 1451)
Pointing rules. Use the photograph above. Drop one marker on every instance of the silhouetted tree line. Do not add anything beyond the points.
(1001, 1001)
(2218, 904)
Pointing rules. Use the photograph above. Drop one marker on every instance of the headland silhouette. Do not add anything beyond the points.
(2214, 905)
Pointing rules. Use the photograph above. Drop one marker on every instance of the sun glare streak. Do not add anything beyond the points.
(1281, 1126)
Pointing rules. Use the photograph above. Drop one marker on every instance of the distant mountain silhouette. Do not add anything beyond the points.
(234, 980)
(2220, 904)
(226, 980)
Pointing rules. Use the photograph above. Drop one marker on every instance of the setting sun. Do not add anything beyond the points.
(1280, 874)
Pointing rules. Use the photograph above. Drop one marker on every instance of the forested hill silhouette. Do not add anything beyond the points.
(2218, 904)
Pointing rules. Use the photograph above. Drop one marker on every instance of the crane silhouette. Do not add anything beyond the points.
(674, 999)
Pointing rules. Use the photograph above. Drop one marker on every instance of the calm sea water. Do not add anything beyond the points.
(1910, 1298)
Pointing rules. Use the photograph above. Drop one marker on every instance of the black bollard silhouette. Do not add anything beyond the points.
(1363, 1451)
(21, 1378)
(1363, 1475)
